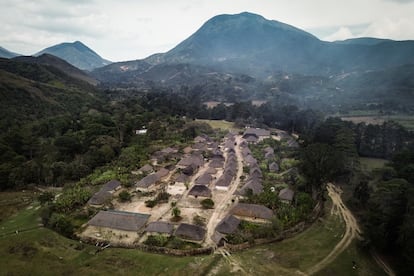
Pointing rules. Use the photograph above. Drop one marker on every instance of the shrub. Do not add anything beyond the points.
(45, 197)
(207, 203)
(163, 196)
(156, 240)
(150, 203)
(198, 220)
(177, 243)
(61, 224)
(124, 196)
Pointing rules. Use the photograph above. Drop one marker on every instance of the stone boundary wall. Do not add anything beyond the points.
(151, 249)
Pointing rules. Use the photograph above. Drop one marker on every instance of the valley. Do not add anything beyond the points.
(252, 147)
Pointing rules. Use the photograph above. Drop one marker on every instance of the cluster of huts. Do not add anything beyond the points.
(136, 224)
(221, 170)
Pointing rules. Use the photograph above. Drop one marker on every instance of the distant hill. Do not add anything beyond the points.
(77, 54)
(4, 53)
(47, 59)
(31, 91)
(363, 41)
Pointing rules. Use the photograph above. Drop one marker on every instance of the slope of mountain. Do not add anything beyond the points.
(119, 72)
(4, 53)
(77, 54)
(283, 62)
(246, 43)
(47, 59)
(32, 91)
(249, 44)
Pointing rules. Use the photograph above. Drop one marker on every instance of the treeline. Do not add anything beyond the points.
(54, 149)
(385, 201)
(381, 141)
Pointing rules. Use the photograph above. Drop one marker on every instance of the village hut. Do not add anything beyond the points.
(190, 232)
(200, 191)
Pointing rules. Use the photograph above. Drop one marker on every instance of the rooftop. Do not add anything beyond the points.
(119, 220)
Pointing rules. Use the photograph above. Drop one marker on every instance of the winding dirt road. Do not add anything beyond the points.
(352, 229)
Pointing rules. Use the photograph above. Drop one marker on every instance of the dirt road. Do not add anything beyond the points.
(352, 229)
(222, 206)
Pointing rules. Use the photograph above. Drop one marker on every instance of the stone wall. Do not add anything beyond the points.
(152, 249)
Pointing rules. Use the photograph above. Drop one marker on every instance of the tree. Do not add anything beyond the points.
(124, 196)
(320, 164)
(406, 234)
(346, 147)
(386, 206)
(176, 212)
(207, 203)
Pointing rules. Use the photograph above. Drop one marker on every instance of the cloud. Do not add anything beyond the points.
(131, 29)
(399, 29)
(341, 34)
(401, 1)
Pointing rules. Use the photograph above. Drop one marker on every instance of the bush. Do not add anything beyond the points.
(207, 203)
(72, 199)
(163, 197)
(124, 196)
(61, 224)
(150, 203)
(198, 220)
(176, 243)
(156, 240)
(45, 197)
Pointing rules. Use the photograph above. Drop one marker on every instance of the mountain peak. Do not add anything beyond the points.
(77, 54)
(242, 40)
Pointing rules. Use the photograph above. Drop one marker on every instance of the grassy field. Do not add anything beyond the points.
(297, 255)
(40, 251)
(370, 164)
(219, 124)
(12, 202)
(291, 255)
(343, 264)
(375, 117)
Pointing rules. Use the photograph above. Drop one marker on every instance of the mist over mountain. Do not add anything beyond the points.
(279, 61)
(4, 53)
(77, 54)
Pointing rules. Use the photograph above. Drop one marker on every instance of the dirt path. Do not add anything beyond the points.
(387, 269)
(221, 206)
(235, 265)
(352, 229)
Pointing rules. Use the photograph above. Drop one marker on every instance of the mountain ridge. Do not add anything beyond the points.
(250, 44)
(77, 54)
(60, 64)
(4, 53)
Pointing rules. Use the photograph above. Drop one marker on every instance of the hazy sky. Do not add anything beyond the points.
(132, 29)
